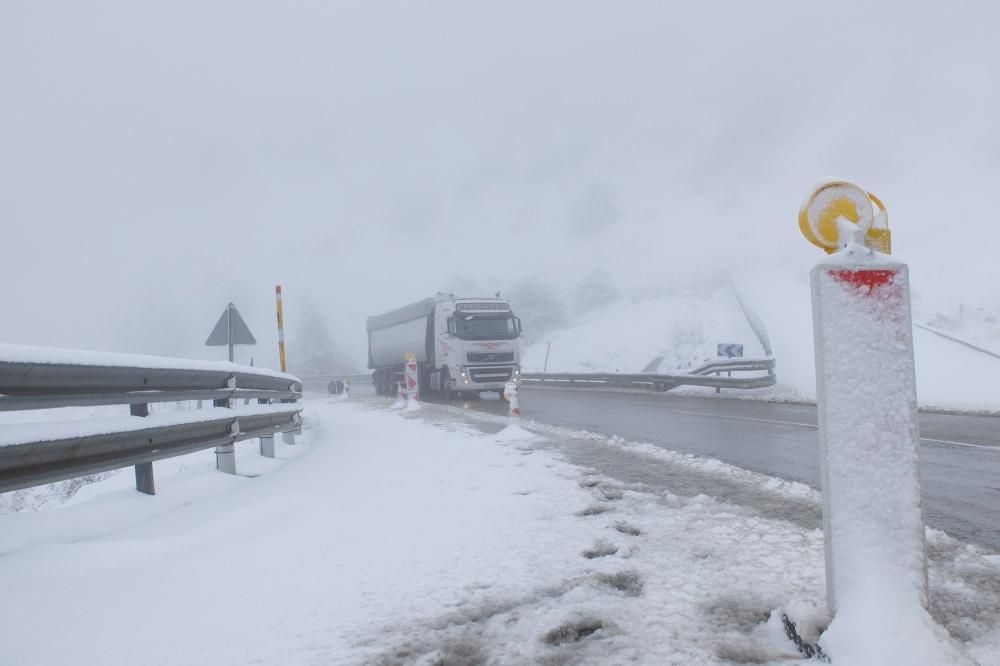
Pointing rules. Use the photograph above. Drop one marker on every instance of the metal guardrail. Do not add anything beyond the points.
(709, 375)
(43, 452)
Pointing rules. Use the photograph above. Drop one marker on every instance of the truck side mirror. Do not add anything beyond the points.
(517, 324)
(451, 326)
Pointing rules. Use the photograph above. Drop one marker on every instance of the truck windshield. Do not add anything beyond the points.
(485, 327)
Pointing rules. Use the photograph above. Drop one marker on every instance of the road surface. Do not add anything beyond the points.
(960, 456)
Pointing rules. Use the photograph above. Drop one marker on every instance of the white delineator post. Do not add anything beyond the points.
(514, 413)
(868, 431)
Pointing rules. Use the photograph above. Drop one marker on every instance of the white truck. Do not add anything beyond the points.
(462, 345)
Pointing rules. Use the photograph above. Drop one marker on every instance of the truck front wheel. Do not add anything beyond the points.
(446, 391)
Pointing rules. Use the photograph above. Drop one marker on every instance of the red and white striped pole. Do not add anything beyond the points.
(412, 381)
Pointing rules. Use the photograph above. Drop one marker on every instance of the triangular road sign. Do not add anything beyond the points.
(241, 334)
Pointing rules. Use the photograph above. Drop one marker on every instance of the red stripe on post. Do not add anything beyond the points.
(866, 281)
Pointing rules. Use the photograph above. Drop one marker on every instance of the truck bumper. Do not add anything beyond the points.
(486, 378)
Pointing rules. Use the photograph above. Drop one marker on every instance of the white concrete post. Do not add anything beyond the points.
(868, 428)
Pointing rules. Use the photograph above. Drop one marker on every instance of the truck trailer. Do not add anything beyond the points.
(462, 345)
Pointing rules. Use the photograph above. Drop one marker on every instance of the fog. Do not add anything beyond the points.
(158, 160)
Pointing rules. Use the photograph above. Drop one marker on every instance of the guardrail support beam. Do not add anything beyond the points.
(225, 455)
(288, 437)
(266, 443)
(143, 471)
(144, 478)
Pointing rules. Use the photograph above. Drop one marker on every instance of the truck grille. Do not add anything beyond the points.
(490, 374)
(490, 357)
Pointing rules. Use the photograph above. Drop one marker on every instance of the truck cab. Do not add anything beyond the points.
(476, 345)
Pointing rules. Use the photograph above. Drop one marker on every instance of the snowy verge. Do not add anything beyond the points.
(418, 539)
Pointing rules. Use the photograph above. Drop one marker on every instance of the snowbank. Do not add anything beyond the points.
(418, 539)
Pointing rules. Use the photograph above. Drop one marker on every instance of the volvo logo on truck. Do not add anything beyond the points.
(463, 345)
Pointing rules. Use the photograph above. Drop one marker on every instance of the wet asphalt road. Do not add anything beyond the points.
(960, 456)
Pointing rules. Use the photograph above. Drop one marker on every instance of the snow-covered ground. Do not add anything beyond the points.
(684, 326)
(432, 537)
(681, 328)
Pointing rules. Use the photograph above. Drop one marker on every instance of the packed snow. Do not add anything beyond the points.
(438, 537)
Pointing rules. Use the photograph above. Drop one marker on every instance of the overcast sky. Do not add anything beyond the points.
(158, 160)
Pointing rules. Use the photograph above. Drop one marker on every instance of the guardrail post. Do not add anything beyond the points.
(266, 442)
(225, 455)
(143, 471)
(288, 437)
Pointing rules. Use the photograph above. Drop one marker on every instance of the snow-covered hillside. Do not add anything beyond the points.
(683, 327)
(680, 328)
